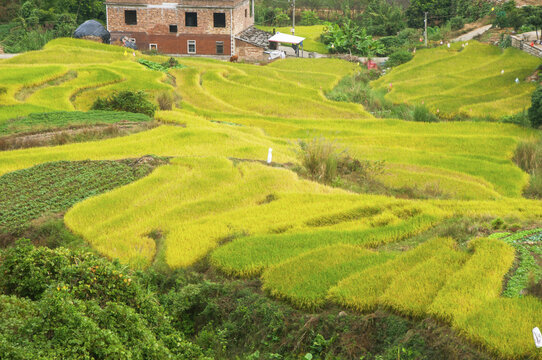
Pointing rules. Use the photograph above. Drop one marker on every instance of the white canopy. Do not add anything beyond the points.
(286, 38)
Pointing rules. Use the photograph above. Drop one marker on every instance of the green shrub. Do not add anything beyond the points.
(309, 18)
(535, 111)
(399, 57)
(505, 42)
(422, 114)
(130, 101)
(457, 22)
(62, 304)
(434, 33)
(521, 119)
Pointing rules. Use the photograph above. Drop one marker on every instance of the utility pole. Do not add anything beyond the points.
(293, 18)
(425, 25)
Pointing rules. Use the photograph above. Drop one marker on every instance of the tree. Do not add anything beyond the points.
(534, 17)
(535, 111)
(382, 18)
(349, 37)
(437, 9)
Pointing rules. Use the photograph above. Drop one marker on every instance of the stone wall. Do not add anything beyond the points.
(523, 45)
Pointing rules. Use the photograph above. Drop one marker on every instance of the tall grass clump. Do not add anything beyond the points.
(319, 159)
(165, 100)
(528, 156)
(323, 161)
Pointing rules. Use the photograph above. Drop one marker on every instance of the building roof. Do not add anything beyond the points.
(286, 38)
(255, 37)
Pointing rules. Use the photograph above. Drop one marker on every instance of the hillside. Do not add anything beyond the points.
(309, 243)
(473, 80)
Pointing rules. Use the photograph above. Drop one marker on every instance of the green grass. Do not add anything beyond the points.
(310, 33)
(36, 122)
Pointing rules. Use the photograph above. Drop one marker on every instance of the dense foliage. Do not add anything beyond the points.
(348, 37)
(129, 101)
(535, 111)
(35, 22)
(73, 305)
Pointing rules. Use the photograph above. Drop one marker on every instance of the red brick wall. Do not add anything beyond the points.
(249, 52)
(177, 44)
(157, 21)
(153, 24)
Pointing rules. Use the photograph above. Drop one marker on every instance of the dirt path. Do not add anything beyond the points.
(472, 34)
(7, 56)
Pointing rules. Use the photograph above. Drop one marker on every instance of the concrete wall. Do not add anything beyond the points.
(523, 45)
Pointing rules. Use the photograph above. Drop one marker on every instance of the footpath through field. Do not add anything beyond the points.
(472, 34)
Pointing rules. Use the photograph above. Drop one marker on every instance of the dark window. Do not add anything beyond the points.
(246, 13)
(220, 47)
(219, 20)
(191, 46)
(173, 28)
(130, 17)
(191, 19)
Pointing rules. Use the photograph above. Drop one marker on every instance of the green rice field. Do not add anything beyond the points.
(468, 79)
(310, 244)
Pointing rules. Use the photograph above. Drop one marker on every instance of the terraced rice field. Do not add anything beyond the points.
(311, 244)
(469, 79)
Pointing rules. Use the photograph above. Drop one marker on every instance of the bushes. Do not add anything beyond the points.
(457, 22)
(129, 101)
(309, 18)
(535, 111)
(422, 114)
(73, 304)
(349, 37)
(399, 57)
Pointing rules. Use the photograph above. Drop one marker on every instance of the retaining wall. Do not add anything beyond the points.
(525, 45)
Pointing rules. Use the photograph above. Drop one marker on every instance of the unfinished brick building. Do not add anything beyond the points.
(195, 27)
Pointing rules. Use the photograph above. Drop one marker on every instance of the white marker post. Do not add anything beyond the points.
(537, 337)
(270, 156)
